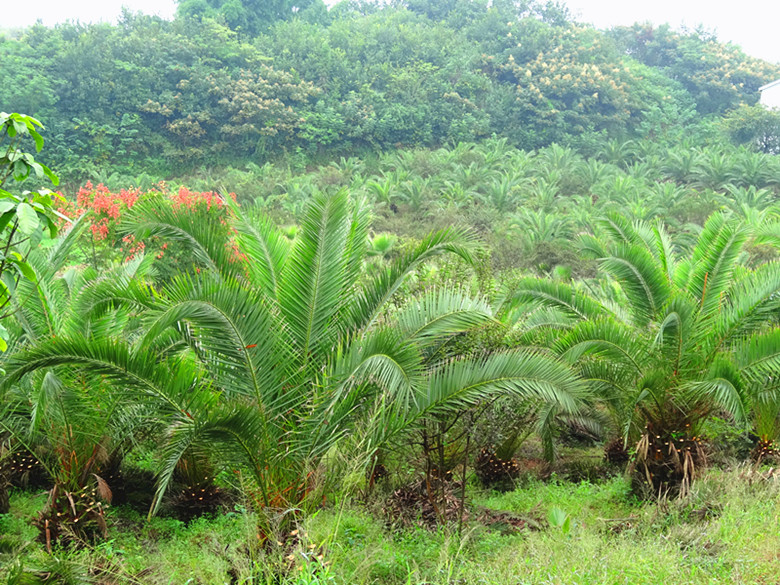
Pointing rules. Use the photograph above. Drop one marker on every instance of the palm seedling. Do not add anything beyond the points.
(743, 200)
(542, 235)
(618, 153)
(559, 159)
(383, 192)
(593, 171)
(544, 193)
(502, 193)
(473, 175)
(753, 169)
(414, 192)
(682, 164)
(717, 169)
(382, 244)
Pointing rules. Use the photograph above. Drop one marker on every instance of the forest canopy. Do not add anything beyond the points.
(231, 81)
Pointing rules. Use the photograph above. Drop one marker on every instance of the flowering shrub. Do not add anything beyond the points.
(192, 200)
(107, 208)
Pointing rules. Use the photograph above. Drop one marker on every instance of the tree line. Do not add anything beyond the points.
(244, 81)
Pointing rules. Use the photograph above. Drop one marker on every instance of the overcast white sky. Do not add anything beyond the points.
(753, 24)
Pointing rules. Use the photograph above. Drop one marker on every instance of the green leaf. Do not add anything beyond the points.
(38, 139)
(6, 206)
(28, 219)
(560, 519)
(26, 270)
(53, 230)
(6, 218)
(21, 170)
(52, 177)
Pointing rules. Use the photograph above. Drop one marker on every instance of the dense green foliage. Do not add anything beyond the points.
(247, 81)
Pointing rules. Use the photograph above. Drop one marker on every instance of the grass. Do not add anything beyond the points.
(726, 531)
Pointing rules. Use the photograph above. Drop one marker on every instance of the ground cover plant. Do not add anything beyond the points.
(607, 536)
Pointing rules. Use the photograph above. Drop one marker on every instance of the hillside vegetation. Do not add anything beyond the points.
(426, 292)
(219, 87)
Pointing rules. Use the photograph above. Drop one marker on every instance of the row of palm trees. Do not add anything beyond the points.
(495, 175)
(264, 359)
(502, 191)
(505, 194)
(274, 361)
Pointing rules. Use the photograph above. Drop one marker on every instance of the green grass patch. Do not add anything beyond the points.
(726, 531)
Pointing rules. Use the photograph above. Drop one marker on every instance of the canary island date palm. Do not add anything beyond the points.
(669, 338)
(69, 421)
(269, 355)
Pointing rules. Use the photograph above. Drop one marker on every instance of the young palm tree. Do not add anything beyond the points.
(682, 164)
(69, 421)
(270, 355)
(674, 338)
(716, 170)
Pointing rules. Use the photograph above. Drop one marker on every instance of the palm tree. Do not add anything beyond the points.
(744, 201)
(383, 192)
(559, 159)
(544, 193)
(753, 169)
(69, 422)
(502, 192)
(682, 164)
(618, 153)
(670, 339)
(593, 171)
(716, 170)
(536, 228)
(270, 355)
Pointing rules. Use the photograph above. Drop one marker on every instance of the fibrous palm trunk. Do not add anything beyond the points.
(668, 461)
(5, 504)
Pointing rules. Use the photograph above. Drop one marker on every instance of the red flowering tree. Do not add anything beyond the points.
(104, 243)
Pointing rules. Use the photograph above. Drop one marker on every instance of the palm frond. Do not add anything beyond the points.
(607, 339)
(562, 296)
(205, 238)
(314, 276)
(758, 358)
(441, 312)
(266, 249)
(173, 385)
(641, 278)
(367, 303)
(713, 260)
(236, 335)
(59, 253)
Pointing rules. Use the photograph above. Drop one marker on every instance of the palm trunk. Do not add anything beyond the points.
(5, 504)
(667, 462)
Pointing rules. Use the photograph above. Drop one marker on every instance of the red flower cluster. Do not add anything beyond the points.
(133, 247)
(107, 207)
(194, 200)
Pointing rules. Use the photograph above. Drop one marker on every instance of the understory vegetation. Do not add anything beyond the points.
(427, 292)
(725, 532)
